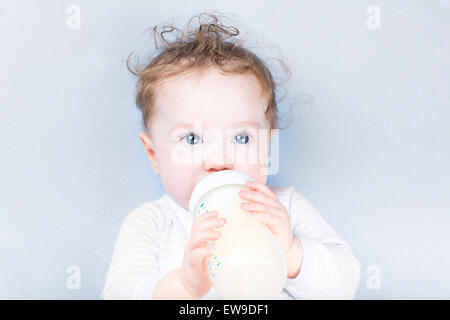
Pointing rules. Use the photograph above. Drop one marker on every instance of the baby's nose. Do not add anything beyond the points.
(217, 158)
(217, 166)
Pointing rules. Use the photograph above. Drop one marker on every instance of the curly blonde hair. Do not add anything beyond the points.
(211, 44)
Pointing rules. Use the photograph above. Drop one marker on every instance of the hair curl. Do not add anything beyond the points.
(212, 44)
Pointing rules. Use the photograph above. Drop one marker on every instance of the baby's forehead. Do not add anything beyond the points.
(211, 97)
(214, 114)
(213, 117)
(217, 119)
(211, 78)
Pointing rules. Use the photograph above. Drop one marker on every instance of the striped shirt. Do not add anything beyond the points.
(152, 239)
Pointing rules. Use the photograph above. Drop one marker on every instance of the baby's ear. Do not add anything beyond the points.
(146, 140)
(149, 149)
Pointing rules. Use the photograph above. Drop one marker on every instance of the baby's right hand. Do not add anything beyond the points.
(194, 271)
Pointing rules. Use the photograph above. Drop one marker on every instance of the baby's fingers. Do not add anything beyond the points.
(207, 215)
(198, 255)
(200, 239)
(207, 223)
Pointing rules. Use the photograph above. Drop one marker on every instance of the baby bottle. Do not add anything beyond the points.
(248, 261)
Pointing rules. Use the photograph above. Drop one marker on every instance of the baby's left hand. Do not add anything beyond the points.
(264, 206)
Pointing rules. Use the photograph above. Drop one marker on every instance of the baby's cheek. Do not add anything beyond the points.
(180, 183)
(255, 171)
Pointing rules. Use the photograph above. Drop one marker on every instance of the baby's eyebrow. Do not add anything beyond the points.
(247, 123)
(236, 125)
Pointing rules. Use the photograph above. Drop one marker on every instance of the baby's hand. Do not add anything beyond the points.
(194, 272)
(264, 205)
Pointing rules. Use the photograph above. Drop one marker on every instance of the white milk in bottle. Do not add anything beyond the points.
(248, 261)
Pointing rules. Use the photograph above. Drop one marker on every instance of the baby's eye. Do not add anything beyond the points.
(191, 138)
(194, 139)
(242, 138)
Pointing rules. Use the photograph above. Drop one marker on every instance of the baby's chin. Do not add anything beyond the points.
(183, 201)
(185, 205)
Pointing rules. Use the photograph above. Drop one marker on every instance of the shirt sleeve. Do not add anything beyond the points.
(329, 269)
(134, 269)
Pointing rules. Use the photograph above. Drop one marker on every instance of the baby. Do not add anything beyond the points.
(203, 100)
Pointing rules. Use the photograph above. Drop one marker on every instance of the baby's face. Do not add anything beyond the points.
(207, 123)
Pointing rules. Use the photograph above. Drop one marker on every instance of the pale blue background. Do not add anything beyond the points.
(371, 151)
